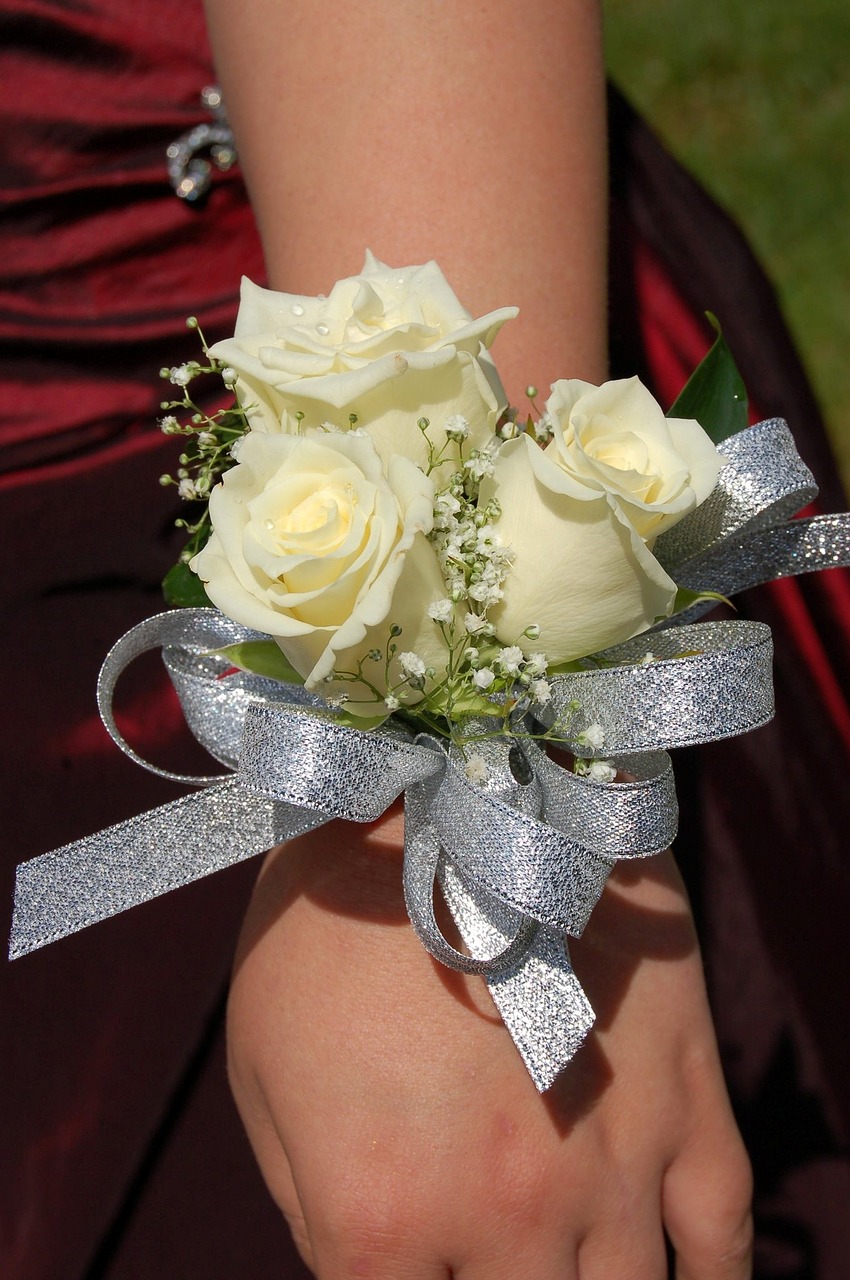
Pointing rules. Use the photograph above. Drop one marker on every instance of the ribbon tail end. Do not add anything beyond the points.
(544, 1008)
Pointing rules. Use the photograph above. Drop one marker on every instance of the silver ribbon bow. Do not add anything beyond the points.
(521, 858)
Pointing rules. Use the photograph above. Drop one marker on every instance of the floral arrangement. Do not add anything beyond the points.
(417, 589)
(412, 545)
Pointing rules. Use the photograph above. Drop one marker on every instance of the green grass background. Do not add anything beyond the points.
(754, 98)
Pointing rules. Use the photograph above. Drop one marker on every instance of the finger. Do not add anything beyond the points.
(707, 1197)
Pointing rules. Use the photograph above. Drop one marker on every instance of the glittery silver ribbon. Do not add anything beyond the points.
(521, 863)
(522, 858)
(743, 534)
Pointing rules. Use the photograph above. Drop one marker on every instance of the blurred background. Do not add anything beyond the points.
(755, 100)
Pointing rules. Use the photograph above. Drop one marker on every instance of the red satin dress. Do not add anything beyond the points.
(121, 1154)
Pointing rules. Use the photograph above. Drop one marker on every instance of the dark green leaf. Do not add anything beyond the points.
(715, 393)
(183, 589)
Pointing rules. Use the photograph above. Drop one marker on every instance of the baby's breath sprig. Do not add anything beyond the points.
(456, 429)
(540, 426)
(211, 441)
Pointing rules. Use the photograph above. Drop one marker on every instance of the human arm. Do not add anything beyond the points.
(390, 1112)
(472, 134)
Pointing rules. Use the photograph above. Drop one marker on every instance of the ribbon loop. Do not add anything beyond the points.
(424, 865)
(214, 709)
(703, 682)
(744, 534)
(763, 483)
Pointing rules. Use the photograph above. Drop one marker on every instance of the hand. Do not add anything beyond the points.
(394, 1121)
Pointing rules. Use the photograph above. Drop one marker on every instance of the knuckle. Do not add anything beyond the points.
(727, 1235)
(736, 1193)
(739, 1248)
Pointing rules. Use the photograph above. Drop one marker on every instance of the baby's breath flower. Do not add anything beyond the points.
(441, 610)
(187, 489)
(509, 659)
(483, 677)
(169, 424)
(475, 769)
(486, 593)
(593, 736)
(457, 427)
(536, 664)
(182, 374)
(228, 376)
(477, 626)
(543, 429)
(479, 466)
(540, 691)
(392, 702)
(596, 770)
(412, 665)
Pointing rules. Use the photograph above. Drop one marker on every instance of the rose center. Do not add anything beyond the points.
(317, 523)
(627, 455)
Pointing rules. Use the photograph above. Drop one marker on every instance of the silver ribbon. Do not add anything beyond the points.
(743, 534)
(522, 858)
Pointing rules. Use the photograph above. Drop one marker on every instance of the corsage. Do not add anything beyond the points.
(395, 584)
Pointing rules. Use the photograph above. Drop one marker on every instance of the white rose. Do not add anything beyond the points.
(391, 346)
(579, 570)
(314, 546)
(616, 438)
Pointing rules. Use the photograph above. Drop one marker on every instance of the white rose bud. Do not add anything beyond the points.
(615, 438)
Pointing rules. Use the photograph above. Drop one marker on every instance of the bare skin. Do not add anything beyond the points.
(389, 1111)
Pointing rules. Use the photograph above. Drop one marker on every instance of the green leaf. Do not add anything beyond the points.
(183, 589)
(464, 703)
(715, 393)
(566, 668)
(365, 723)
(261, 658)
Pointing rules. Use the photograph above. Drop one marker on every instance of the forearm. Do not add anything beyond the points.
(473, 134)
